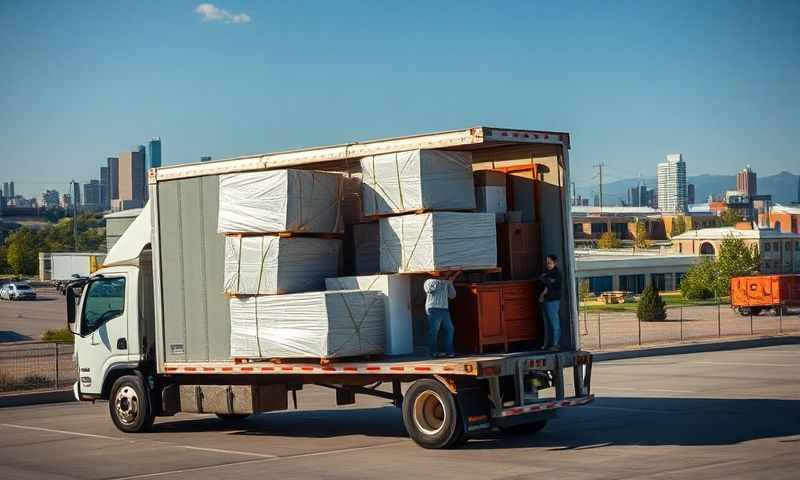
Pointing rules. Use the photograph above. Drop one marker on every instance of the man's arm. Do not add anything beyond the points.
(430, 285)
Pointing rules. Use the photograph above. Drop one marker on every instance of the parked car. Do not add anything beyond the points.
(17, 291)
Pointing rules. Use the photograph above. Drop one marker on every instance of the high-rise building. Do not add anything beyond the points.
(104, 204)
(746, 181)
(91, 194)
(672, 184)
(154, 152)
(11, 193)
(76, 194)
(143, 152)
(112, 192)
(6, 190)
(690, 193)
(131, 180)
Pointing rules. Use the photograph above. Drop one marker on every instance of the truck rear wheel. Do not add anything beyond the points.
(431, 416)
(129, 405)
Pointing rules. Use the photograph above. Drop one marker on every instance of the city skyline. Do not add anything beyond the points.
(624, 96)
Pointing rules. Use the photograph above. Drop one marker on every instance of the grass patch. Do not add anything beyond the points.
(671, 299)
(62, 335)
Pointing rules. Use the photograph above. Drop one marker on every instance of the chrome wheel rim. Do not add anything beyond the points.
(126, 404)
(430, 416)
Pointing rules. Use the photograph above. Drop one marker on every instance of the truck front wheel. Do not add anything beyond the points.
(431, 416)
(129, 405)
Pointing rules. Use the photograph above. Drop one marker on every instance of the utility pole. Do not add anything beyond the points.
(600, 166)
(72, 184)
(573, 192)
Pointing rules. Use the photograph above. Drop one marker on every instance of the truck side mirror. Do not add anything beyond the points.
(71, 309)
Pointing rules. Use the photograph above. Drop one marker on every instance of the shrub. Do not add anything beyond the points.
(651, 305)
(699, 281)
(609, 240)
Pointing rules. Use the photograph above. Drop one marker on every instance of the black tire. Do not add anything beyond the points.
(232, 417)
(755, 311)
(129, 405)
(780, 310)
(745, 312)
(431, 416)
(525, 428)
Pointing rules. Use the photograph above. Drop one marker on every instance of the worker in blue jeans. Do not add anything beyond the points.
(438, 292)
(550, 298)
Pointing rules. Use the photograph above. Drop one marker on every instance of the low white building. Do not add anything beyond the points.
(624, 269)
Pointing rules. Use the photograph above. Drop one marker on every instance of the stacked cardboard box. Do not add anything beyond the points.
(438, 241)
(299, 201)
(269, 265)
(405, 182)
(490, 193)
(331, 324)
(396, 292)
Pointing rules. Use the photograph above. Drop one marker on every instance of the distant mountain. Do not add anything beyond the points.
(783, 187)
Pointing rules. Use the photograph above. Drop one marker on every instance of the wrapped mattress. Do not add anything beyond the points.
(268, 264)
(417, 180)
(300, 201)
(438, 241)
(308, 325)
(396, 292)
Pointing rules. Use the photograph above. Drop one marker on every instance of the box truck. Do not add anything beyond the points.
(753, 294)
(152, 325)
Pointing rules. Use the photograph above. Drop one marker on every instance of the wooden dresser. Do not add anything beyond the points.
(495, 314)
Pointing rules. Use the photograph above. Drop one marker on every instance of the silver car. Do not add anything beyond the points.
(17, 291)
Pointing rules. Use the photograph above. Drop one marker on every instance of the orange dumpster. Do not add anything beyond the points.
(757, 293)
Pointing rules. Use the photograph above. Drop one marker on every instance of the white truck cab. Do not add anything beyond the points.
(113, 318)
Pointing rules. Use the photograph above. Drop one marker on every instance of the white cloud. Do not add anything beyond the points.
(212, 13)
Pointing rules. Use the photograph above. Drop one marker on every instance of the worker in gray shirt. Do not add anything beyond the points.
(438, 293)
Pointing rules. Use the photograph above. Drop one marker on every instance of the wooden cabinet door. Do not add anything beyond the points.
(490, 314)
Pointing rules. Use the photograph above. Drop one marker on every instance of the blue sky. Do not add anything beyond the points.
(631, 81)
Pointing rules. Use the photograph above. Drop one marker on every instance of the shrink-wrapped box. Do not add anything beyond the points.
(268, 264)
(438, 241)
(417, 180)
(308, 325)
(396, 291)
(300, 201)
(490, 193)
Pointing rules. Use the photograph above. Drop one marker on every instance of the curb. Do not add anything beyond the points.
(698, 347)
(36, 398)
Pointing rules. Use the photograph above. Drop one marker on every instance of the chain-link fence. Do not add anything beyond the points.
(614, 327)
(36, 366)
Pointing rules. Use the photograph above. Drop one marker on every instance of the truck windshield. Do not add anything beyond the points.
(105, 300)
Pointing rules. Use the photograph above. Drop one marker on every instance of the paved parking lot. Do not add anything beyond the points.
(26, 320)
(731, 414)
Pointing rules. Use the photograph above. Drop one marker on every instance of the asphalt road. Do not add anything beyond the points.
(26, 320)
(732, 414)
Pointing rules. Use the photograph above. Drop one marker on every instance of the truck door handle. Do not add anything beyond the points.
(122, 344)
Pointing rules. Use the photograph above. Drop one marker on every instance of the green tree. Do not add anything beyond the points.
(4, 267)
(642, 237)
(22, 251)
(699, 281)
(678, 225)
(609, 240)
(736, 259)
(651, 305)
(730, 218)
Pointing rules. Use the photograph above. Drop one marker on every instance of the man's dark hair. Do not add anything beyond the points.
(552, 257)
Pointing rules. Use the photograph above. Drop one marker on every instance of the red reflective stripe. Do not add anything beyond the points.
(267, 369)
(208, 369)
(307, 369)
(350, 369)
(171, 369)
(286, 369)
(422, 369)
(328, 369)
(373, 369)
(227, 369)
(189, 369)
(247, 369)
(397, 369)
